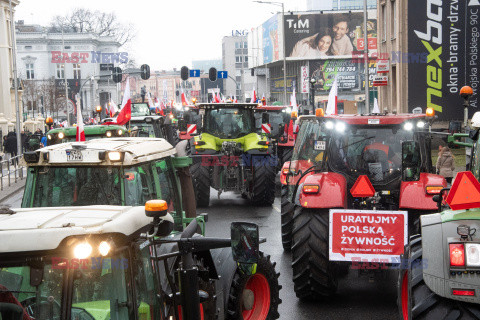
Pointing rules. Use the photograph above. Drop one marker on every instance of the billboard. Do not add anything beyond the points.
(347, 72)
(443, 42)
(328, 35)
(271, 47)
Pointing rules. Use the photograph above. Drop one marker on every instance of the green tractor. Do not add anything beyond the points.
(231, 154)
(83, 198)
(69, 134)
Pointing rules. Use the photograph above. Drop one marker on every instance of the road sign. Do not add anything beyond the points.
(195, 73)
(222, 74)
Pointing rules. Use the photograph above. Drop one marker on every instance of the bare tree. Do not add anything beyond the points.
(82, 20)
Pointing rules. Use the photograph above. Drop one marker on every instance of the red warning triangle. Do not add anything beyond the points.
(362, 188)
(465, 192)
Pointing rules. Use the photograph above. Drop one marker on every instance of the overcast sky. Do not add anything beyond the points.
(170, 33)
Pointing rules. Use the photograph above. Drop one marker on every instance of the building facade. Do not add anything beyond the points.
(7, 93)
(339, 4)
(393, 43)
(68, 64)
(235, 56)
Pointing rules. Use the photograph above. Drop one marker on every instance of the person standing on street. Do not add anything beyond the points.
(446, 164)
(11, 144)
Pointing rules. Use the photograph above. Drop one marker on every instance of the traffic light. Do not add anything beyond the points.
(184, 73)
(212, 74)
(117, 75)
(145, 69)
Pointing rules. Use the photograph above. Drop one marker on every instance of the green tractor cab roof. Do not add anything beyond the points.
(89, 130)
(108, 152)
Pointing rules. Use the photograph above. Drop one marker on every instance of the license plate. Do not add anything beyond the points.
(74, 155)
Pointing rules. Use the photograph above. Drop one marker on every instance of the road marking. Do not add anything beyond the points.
(277, 209)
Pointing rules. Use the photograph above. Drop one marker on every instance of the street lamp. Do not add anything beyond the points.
(281, 4)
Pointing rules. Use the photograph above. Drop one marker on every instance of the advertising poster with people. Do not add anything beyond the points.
(328, 35)
(270, 40)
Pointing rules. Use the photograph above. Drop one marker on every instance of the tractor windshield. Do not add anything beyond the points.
(145, 130)
(277, 121)
(229, 123)
(140, 109)
(310, 147)
(99, 185)
(375, 152)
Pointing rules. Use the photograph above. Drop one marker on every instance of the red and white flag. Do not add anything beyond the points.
(254, 97)
(293, 101)
(150, 101)
(332, 99)
(126, 112)
(217, 97)
(235, 99)
(80, 131)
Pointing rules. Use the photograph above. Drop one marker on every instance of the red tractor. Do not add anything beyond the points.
(282, 130)
(353, 191)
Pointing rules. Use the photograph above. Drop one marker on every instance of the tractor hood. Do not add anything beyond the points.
(248, 142)
(45, 228)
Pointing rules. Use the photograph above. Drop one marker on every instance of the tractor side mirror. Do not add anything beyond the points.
(245, 242)
(265, 118)
(182, 125)
(411, 160)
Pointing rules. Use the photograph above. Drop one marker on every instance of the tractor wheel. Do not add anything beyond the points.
(314, 276)
(171, 134)
(286, 219)
(263, 184)
(201, 184)
(417, 301)
(255, 297)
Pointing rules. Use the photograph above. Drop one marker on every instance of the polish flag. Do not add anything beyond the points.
(235, 99)
(184, 98)
(126, 112)
(217, 97)
(254, 97)
(80, 131)
(293, 101)
(332, 99)
(150, 101)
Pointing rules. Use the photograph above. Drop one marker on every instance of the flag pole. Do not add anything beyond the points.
(365, 46)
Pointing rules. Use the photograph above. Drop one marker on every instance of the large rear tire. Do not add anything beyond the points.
(263, 287)
(201, 184)
(314, 276)
(417, 302)
(286, 219)
(263, 184)
(287, 154)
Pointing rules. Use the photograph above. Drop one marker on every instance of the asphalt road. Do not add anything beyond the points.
(358, 297)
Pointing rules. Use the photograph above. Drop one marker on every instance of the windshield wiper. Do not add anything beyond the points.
(356, 142)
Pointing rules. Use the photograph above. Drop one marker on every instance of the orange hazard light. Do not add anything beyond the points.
(362, 188)
(465, 192)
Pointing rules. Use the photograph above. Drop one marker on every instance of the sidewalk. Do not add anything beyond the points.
(8, 191)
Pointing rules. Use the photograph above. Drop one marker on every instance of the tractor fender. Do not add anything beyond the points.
(226, 268)
(413, 194)
(332, 191)
(283, 176)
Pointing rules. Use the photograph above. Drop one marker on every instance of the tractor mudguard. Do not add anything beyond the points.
(226, 268)
(413, 194)
(332, 191)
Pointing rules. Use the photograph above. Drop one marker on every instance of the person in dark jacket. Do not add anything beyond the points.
(11, 144)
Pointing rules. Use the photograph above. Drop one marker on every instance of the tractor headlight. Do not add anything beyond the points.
(109, 134)
(473, 254)
(340, 127)
(82, 250)
(408, 126)
(120, 132)
(49, 136)
(61, 135)
(104, 248)
(329, 125)
(115, 156)
(420, 124)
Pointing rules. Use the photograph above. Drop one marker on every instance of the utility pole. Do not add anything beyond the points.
(65, 79)
(15, 83)
(365, 46)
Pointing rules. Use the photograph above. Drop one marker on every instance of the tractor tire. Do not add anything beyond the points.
(171, 134)
(314, 276)
(417, 302)
(262, 289)
(263, 185)
(286, 219)
(201, 184)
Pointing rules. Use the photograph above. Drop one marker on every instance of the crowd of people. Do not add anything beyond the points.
(30, 141)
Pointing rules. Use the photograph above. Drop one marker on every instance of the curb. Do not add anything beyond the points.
(14, 188)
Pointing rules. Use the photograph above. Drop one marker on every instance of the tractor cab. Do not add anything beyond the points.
(189, 125)
(117, 172)
(69, 134)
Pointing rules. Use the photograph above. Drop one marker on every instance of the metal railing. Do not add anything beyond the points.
(11, 170)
